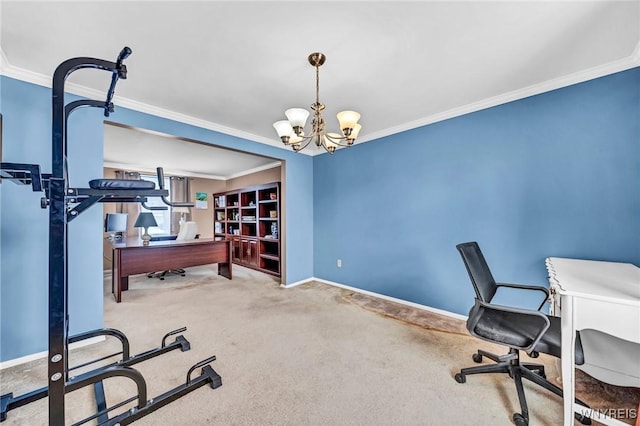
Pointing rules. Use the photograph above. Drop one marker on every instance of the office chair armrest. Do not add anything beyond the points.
(517, 328)
(528, 287)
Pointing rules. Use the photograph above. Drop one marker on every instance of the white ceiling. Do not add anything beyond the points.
(144, 150)
(236, 66)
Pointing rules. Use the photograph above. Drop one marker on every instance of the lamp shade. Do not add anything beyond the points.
(355, 131)
(180, 210)
(294, 139)
(283, 127)
(297, 116)
(145, 220)
(348, 119)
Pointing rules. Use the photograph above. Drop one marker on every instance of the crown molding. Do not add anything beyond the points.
(176, 172)
(167, 172)
(635, 56)
(28, 76)
(255, 170)
(631, 61)
(3, 61)
(22, 74)
(187, 119)
(624, 64)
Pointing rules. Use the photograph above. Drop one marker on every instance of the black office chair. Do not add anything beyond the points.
(525, 330)
(188, 231)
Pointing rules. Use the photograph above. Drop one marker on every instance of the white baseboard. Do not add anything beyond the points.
(44, 354)
(379, 296)
(297, 283)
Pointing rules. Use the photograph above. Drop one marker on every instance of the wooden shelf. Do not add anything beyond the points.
(258, 204)
(269, 256)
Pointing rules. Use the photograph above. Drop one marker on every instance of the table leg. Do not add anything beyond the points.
(115, 263)
(122, 284)
(224, 269)
(568, 357)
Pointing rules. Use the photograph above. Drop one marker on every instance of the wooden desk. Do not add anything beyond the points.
(594, 295)
(131, 257)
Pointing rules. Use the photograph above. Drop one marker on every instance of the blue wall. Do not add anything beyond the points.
(24, 225)
(26, 131)
(557, 174)
(26, 110)
(552, 175)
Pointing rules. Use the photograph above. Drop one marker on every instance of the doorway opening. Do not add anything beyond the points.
(206, 169)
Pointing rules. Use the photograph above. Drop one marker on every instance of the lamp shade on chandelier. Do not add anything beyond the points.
(291, 131)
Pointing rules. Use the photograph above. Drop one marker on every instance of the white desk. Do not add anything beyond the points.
(594, 295)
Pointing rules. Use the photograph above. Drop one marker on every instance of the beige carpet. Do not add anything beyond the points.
(309, 355)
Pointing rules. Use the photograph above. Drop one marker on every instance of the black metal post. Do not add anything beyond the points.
(57, 357)
(59, 197)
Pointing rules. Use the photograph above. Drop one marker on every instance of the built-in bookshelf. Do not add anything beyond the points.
(250, 218)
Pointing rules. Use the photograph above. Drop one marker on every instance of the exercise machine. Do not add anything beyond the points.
(65, 204)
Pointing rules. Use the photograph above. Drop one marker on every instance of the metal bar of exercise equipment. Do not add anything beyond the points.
(65, 204)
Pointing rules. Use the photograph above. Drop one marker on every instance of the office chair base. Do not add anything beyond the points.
(477, 357)
(510, 364)
(162, 275)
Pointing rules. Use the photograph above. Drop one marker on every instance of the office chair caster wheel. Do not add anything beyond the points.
(477, 358)
(519, 420)
(538, 370)
(582, 419)
(460, 378)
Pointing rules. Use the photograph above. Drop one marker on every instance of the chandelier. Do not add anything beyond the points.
(291, 131)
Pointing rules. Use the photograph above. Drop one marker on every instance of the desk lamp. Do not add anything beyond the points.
(145, 220)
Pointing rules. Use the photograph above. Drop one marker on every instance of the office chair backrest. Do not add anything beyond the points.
(188, 231)
(479, 273)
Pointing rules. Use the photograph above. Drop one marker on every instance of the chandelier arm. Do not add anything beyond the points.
(341, 141)
(306, 143)
(302, 139)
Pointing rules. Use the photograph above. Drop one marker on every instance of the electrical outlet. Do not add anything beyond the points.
(339, 263)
